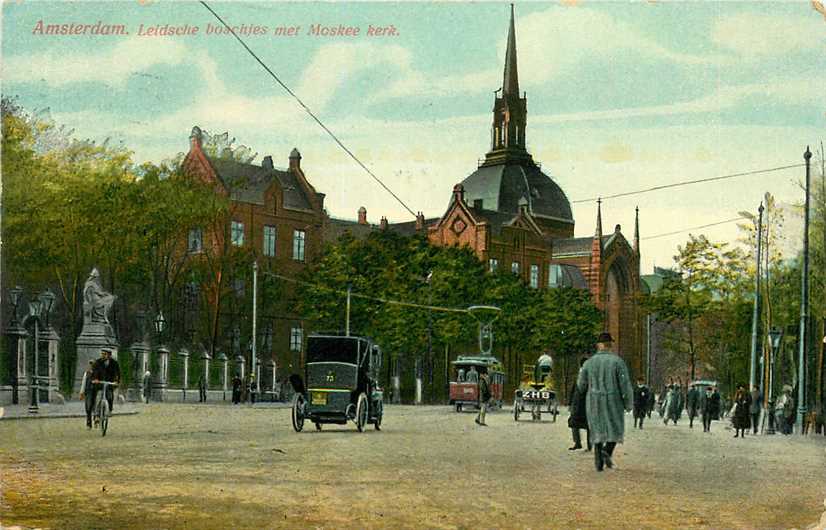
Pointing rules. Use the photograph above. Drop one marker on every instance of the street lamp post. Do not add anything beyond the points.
(255, 324)
(163, 354)
(804, 305)
(38, 308)
(755, 319)
(775, 339)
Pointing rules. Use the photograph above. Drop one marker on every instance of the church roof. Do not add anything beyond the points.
(501, 186)
(577, 245)
(249, 182)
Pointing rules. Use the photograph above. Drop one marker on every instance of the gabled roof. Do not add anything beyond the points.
(574, 246)
(335, 228)
(248, 183)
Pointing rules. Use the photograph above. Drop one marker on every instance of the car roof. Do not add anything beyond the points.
(476, 360)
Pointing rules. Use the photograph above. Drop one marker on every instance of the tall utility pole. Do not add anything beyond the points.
(755, 318)
(804, 304)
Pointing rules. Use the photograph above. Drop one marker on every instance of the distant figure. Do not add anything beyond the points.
(755, 408)
(692, 405)
(147, 386)
(484, 397)
(86, 393)
(609, 395)
(578, 418)
(641, 399)
(742, 404)
(202, 393)
(251, 389)
(472, 375)
(711, 408)
(652, 400)
(460, 377)
(236, 389)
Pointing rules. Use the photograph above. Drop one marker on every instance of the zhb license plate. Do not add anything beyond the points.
(319, 398)
(535, 394)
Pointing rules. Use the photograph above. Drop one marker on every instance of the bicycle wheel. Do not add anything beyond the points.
(104, 417)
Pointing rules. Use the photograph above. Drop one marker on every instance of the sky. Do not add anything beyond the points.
(621, 97)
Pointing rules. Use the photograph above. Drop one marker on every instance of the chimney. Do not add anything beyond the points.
(419, 221)
(266, 163)
(295, 160)
(459, 193)
(383, 223)
(196, 138)
(478, 203)
(362, 215)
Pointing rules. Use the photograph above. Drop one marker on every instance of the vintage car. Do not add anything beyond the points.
(341, 375)
(464, 389)
(536, 391)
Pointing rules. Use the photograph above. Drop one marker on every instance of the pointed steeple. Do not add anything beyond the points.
(595, 267)
(598, 233)
(510, 83)
(510, 113)
(637, 231)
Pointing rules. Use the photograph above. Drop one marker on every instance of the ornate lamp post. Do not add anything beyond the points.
(35, 310)
(163, 354)
(17, 335)
(775, 339)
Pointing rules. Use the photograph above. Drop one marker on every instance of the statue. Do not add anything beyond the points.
(96, 301)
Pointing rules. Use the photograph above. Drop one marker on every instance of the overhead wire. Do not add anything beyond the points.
(367, 297)
(307, 109)
(686, 183)
(694, 228)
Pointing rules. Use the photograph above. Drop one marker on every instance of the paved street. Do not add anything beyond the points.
(190, 466)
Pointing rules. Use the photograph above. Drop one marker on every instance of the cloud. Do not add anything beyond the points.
(756, 36)
(113, 66)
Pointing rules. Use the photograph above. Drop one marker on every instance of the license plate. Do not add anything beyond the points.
(319, 398)
(537, 395)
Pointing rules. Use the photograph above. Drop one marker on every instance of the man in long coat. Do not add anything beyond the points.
(692, 405)
(579, 417)
(609, 395)
(641, 395)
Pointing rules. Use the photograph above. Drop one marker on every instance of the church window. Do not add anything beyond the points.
(237, 233)
(554, 275)
(493, 264)
(535, 276)
(515, 267)
(196, 240)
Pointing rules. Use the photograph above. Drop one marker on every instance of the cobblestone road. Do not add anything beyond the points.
(190, 466)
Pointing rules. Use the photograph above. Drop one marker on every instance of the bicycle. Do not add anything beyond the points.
(102, 411)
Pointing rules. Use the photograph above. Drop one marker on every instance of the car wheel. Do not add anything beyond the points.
(361, 412)
(298, 412)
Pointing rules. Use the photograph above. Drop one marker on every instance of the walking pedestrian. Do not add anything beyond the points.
(578, 418)
(672, 404)
(147, 386)
(86, 392)
(652, 400)
(755, 408)
(788, 410)
(642, 396)
(251, 389)
(202, 393)
(692, 403)
(742, 404)
(711, 408)
(484, 397)
(604, 378)
(236, 389)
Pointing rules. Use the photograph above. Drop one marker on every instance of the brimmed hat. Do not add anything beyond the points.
(107, 349)
(605, 337)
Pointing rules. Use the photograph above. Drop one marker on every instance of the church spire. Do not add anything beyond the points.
(637, 231)
(510, 82)
(598, 233)
(510, 112)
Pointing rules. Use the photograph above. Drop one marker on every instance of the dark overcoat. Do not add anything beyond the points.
(609, 395)
(576, 405)
(711, 406)
(742, 419)
(641, 397)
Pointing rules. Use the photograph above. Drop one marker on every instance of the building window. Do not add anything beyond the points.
(269, 241)
(237, 233)
(554, 275)
(299, 237)
(535, 276)
(296, 338)
(515, 267)
(493, 264)
(196, 240)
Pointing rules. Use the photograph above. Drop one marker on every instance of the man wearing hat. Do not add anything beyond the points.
(609, 395)
(106, 369)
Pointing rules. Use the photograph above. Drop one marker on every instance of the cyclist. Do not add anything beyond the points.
(106, 369)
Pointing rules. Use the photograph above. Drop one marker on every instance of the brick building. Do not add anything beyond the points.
(276, 215)
(514, 215)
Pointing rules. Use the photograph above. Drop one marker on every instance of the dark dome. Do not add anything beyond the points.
(501, 186)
